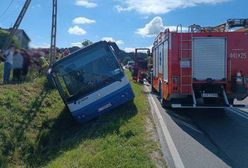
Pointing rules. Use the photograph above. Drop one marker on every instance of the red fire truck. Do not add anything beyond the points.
(204, 67)
(141, 64)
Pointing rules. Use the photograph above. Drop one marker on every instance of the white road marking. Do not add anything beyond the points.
(240, 113)
(172, 148)
(190, 126)
(244, 109)
(184, 121)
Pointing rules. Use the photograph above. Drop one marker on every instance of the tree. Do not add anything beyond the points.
(3, 36)
(86, 43)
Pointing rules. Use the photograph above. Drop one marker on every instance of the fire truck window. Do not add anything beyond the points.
(154, 62)
(157, 60)
(165, 70)
(160, 58)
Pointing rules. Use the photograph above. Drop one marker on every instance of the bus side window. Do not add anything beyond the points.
(110, 61)
(62, 81)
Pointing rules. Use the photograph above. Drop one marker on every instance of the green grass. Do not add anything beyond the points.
(37, 131)
(1, 72)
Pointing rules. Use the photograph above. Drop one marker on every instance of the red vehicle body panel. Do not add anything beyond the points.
(180, 80)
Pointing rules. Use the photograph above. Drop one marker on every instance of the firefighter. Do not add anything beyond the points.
(43, 65)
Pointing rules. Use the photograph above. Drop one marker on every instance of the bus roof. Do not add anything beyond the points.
(103, 43)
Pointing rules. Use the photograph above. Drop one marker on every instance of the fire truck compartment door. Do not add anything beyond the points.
(209, 58)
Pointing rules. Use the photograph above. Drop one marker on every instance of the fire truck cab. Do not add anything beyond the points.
(204, 67)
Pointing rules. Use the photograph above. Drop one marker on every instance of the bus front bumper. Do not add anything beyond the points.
(104, 104)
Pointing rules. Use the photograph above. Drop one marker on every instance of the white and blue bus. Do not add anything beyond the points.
(91, 81)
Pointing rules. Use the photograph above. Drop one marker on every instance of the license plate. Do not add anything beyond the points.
(105, 107)
(210, 95)
(176, 105)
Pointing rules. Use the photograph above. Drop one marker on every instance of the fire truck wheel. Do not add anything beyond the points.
(166, 104)
(160, 92)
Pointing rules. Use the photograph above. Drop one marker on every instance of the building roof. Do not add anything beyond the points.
(19, 31)
(25, 34)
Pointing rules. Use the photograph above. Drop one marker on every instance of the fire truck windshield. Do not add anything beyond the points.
(87, 72)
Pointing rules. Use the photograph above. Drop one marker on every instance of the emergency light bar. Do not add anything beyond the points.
(237, 23)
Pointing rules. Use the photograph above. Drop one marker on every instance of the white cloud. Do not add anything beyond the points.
(145, 17)
(153, 28)
(77, 44)
(161, 6)
(122, 9)
(118, 42)
(41, 45)
(36, 6)
(129, 50)
(86, 3)
(76, 30)
(150, 47)
(83, 20)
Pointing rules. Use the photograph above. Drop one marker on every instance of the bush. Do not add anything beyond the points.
(3, 36)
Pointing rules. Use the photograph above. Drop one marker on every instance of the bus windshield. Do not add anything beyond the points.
(87, 72)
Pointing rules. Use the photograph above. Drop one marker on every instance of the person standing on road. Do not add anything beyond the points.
(8, 62)
(17, 66)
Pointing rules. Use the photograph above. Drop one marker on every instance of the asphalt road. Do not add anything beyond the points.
(202, 138)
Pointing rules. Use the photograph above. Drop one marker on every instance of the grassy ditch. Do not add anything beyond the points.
(37, 131)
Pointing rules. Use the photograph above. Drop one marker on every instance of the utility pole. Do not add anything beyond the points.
(16, 25)
(53, 33)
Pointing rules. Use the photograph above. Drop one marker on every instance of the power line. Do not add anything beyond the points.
(5, 11)
(17, 24)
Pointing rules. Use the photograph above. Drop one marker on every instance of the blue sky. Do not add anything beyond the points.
(131, 23)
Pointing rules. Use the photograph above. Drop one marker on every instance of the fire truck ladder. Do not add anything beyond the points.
(16, 25)
(186, 59)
